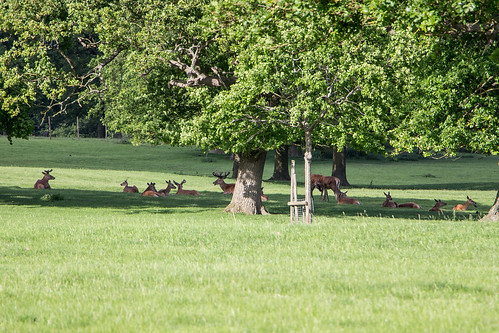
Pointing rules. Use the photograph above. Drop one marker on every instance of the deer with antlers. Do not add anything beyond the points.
(166, 191)
(343, 199)
(465, 205)
(227, 188)
(129, 189)
(180, 190)
(44, 182)
(151, 191)
(438, 203)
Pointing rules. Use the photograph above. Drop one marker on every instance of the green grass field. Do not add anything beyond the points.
(93, 259)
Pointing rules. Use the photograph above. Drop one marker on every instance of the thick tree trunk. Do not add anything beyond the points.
(281, 171)
(308, 160)
(493, 214)
(340, 166)
(247, 192)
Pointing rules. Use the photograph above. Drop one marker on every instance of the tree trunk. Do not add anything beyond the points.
(493, 214)
(308, 158)
(340, 166)
(101, 131)
(247, 192)
(281, 171)
(235, 165)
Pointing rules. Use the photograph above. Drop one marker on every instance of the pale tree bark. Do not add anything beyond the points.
(247, 192)
(340, 166)
(281, 157)
(493, 214)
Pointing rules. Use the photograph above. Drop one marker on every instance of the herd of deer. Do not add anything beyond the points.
(322, 183)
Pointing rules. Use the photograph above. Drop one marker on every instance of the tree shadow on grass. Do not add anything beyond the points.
(132, 202)
(371, 207)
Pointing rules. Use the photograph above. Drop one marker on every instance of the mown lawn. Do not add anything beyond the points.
(91, 258)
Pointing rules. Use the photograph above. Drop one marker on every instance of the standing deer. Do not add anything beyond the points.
(316, 182)
(438, 203)
(166, 191)
(330, 182)
(227, 188)
(342, 199)
(465, 205)
(129, 189)
(150, 191)
(323, 183)
(184, 192)
(44, 182)
(388, 201)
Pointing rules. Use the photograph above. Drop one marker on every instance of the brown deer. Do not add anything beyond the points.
(150, 191)
(465, 205)
(129, 189)
(438, 203)
(323, 183)
(227, 188)
(332, 183)
(44, 182)
(264, 197)
(180, 190)
(410, 205)
(166, 191)
(316, 182)
(388, 201)
(391, 204)
(342, 199)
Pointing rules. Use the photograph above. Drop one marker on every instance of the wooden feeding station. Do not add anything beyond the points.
(297, 208)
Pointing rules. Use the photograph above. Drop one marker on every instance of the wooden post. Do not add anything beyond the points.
(293, 210)
(77, 127)
(50, 130)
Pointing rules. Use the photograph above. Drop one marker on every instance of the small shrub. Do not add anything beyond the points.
(51, 197)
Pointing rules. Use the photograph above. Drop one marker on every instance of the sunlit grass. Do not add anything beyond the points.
(102, 260)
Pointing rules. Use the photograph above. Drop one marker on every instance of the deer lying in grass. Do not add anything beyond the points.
(438, 203)
(166, 191)
(150, 191)
(465, 205)
(342, 199)
(227, 188)
(44, 182)
(129, 189)
(180, 190)
(391, 204)
(264, 197)
(388, 201)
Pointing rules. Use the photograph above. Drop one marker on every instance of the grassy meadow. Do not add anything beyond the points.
(90, 258)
